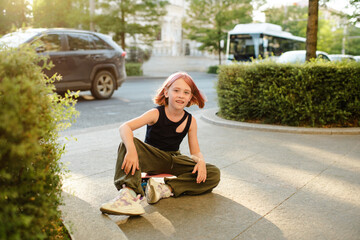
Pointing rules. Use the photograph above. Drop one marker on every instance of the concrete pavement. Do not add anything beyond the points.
(274, 185)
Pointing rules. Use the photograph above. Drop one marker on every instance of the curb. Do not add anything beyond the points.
(131, 78)
(84, 222)
(210, 116)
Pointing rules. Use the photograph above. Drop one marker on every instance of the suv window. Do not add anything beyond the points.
(49, 42)
(322, 56)
(99, 43)
(78, 41)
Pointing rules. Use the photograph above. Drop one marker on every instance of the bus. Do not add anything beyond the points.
(249, 41)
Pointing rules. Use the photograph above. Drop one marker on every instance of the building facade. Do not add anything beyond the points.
(171, 41)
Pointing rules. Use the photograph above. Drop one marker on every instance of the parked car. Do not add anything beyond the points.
(85, 60)
(299, 56)
(341, 57)
(357, 58)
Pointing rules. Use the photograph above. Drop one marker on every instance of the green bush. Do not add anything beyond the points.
(30, 172)
(213, 69)
(314, 94)
(134, 69)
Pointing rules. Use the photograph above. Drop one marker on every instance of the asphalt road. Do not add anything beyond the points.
(133, 99)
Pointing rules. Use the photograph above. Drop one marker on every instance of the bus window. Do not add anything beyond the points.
(277, 45)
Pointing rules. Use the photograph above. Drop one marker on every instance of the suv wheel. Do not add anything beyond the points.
(103, 85)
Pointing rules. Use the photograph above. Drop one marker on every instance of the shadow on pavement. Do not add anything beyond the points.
(208, 216)
(85, 222)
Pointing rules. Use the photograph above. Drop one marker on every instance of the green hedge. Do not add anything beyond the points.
(30, 172)
(312, 94)
(134, 69)
(213, 69)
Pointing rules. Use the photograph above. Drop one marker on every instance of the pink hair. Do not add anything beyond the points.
(197, 98)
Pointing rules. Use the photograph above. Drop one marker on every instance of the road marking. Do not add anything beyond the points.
(122, 99)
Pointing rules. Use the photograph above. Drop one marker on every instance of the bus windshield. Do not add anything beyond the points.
(241, 47)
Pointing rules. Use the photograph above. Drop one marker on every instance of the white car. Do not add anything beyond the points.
(299, 56)
(357, 58)
(341, 57)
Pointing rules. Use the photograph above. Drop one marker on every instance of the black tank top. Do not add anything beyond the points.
(163, 135)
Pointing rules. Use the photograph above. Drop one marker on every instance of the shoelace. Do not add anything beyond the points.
(164, 190)
(122, 194)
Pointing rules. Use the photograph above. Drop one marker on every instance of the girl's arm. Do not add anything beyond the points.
(196, 155)
(131, 159)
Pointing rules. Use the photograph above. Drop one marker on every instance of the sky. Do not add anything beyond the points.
(342, 5)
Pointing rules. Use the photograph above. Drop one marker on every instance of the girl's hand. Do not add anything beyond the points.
(130, 163)
(200, 167)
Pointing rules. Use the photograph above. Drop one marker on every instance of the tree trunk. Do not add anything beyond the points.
(122, 40)
(220, 57)
(122, 33)
(219, 53)
(219, 45)
(312, 29)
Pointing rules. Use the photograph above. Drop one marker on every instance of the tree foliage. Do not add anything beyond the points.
(330, 35)
(61, 13)
(209, 21)
(353, 41)
(355, 16)
(292, 18)
(31, 116)
(13, 14)
(128, 17)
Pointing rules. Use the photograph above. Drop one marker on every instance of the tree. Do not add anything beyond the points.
(330, 34)
(329, 38)
(291, 18)
(355, 16)
(294, 20)
(13, 14)
(312, 29)
(131, 17)
(353, 41)
(61, 13)
(209, 21)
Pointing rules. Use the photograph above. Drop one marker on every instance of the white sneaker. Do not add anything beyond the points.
(155, 191)
(124, 204)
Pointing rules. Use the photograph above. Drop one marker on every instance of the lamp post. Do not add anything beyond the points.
(92, 11)
(344, 40)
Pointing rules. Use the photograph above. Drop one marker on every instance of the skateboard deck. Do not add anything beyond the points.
(161, 175)
(145, 177)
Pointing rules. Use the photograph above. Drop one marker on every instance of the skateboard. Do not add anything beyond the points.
(145, 178)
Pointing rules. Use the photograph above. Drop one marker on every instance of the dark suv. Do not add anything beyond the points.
(85, 60)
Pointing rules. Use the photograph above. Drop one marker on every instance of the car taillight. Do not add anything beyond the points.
(123, 54)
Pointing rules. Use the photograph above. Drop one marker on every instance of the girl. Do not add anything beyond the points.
(167, 125)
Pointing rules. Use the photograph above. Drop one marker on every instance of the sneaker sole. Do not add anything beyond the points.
(150, 189)
(111, 212)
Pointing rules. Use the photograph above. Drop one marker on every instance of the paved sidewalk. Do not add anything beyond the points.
(274, 185)
(164, 66)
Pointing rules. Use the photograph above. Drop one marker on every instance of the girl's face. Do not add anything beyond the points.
(178, 94)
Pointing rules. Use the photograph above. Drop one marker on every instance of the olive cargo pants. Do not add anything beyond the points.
(155, 161)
